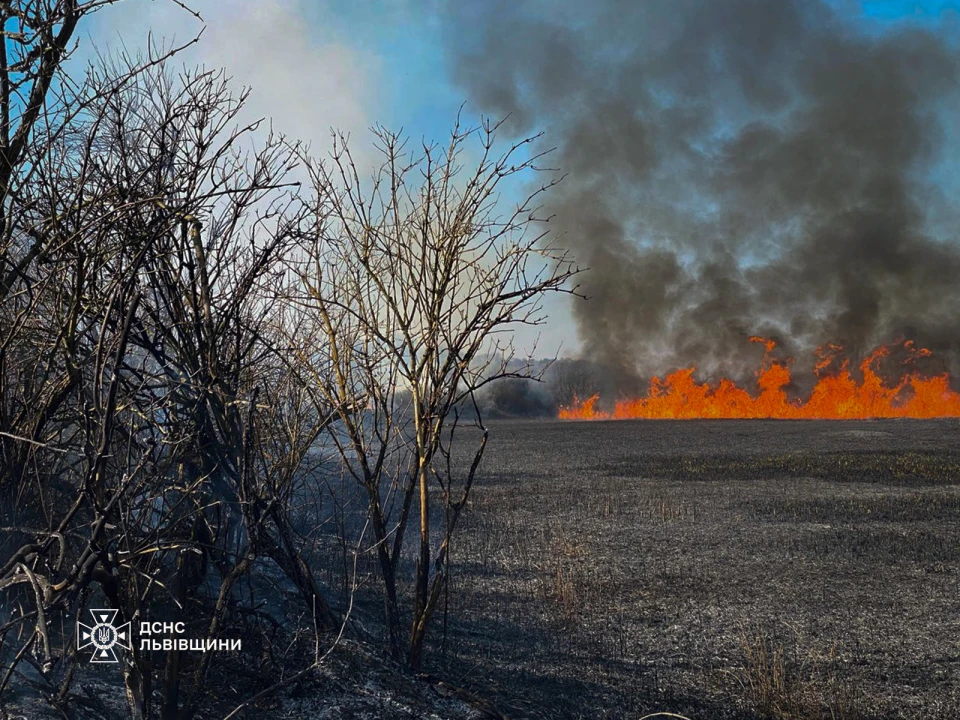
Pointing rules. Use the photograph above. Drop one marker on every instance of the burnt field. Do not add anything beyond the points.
(755, 569)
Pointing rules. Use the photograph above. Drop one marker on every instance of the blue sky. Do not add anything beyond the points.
(925, 11)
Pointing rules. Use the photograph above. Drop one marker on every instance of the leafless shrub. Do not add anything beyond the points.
(408, 282)
(152, 436)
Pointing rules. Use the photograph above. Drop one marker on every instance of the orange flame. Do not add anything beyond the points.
(835, 396)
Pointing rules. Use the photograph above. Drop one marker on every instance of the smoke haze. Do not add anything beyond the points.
(737, 168)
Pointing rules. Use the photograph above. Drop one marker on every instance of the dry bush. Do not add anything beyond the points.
(152, 441)
(408, 282)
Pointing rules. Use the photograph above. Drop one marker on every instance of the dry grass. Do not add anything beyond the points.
(565, 593)
(782, 685)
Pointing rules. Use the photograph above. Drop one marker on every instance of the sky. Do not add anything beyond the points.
(900, 10)
(314, 65)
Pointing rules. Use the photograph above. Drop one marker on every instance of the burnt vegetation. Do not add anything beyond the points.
(763, 570)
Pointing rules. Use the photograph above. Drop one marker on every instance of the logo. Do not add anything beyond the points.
(103, 636)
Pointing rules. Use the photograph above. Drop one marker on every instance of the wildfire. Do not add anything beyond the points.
(836, 395)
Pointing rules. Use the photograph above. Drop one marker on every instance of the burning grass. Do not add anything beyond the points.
(837, 395)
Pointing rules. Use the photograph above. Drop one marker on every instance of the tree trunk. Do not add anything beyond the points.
(420, 607)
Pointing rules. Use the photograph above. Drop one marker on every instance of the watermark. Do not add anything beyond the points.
(104, 636)
(180, 643)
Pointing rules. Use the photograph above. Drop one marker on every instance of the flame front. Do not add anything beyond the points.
(836, 396)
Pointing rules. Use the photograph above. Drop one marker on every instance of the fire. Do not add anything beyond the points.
(837, 395)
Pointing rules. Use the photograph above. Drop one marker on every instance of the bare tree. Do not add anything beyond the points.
(64, 322)
(573, 381)
(153, 436)
(412, 282)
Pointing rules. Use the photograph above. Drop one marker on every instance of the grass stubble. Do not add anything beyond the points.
(714, 569)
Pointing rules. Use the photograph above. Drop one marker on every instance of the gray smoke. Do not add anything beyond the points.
(737, 168)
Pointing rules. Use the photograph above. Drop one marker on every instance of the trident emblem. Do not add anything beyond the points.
(103, 635)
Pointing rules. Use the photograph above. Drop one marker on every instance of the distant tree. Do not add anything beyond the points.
(410, 281)
(572, 380)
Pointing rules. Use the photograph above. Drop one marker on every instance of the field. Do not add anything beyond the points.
(718, 569)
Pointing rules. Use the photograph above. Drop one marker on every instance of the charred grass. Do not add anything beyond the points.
(786, 570)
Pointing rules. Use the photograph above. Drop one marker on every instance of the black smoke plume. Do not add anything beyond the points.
(736, 168)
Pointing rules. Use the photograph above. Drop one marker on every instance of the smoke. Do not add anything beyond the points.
(515, 398)
(305, 75)
(736, 168)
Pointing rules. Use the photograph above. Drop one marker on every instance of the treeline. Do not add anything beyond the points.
(202, 327)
